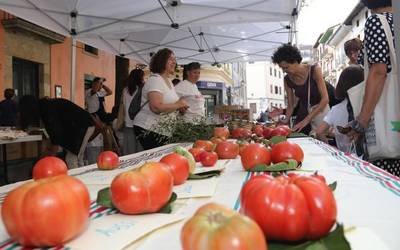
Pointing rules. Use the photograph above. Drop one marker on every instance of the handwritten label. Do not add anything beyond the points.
(115, 228)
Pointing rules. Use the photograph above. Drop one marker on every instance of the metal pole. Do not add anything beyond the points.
(396, 14)
(73, 70)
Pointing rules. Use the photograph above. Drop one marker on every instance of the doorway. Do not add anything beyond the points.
(25, 77)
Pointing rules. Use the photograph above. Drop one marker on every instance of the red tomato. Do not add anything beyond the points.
(49, 166)
(179, 167)
(107, 160)
(267, 132)
(143, 190)
(241, 133)
(258, 130)
(242, 145)
(47, 212)
(216, 140)
(279, 131)
(286, 150)
(289, 209)
(204, 144)
(196, 152)
(254, 154)
(208, 159)
(319, 177)
(221, 132)
(227, 150)
(215, 227)
(285, 127)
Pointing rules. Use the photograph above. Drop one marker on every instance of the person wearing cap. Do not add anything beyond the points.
(341, 114)
(188, 90)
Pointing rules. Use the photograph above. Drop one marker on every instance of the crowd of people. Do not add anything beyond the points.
(361, 121)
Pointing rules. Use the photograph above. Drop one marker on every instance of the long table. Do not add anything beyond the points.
(368, 202)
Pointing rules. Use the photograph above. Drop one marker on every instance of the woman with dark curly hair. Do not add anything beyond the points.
(159, 100)
(305, 83)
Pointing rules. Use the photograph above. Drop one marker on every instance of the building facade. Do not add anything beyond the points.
(265, 88)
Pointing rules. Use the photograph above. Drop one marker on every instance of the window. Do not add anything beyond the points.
(276, 89)
(270, 71)
(271, 88)
(280, 90)
(366, 14)
(275, 72)
(91, 50)
(279, 75)
(358, 23)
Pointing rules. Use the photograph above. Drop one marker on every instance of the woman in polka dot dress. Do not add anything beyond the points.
(377, 48)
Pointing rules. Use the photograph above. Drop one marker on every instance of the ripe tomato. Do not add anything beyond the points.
(216, 140)
(216, 227)
(107, 160)
(289, 208)
(143, 190)
(196, 152)
(286, 150)
(279, 131)
(221, 132)
(285, 127)
(267, 132)
(179, 167)
(319, 177)
(242, 145)
(258, 130)
(227, 150)
(47, 212)
(254, 154)
(241, 133)
(204, 144)
(208, 159)
(49, 166)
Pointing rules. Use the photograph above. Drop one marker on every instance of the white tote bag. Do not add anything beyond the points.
(382, 141)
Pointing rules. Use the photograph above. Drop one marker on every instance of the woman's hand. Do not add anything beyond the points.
(181, 104)
(299, 126)
(275, 112)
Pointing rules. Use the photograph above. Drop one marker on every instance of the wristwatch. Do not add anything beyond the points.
(356, 126)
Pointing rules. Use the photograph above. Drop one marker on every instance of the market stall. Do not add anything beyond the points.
(367, 200)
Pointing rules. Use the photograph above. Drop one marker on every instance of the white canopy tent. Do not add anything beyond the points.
(208, 31)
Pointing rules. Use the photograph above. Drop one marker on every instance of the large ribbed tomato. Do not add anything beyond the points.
(204, 144)
(143, 190)
(178, 165)
(46, 212)
(254, 154)
(289, 208)
(49, 166)
(286, 150)
(215, 227)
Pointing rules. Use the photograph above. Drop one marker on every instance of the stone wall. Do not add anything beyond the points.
(30, 47)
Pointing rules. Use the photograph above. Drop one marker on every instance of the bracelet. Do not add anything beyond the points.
(356, 126)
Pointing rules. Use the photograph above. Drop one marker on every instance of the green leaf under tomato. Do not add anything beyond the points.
(204, 175)
(167, 208)
(333, 186)
(282, 166)
(333, 241)
(277, 139)
(296, 135)
(104, 198)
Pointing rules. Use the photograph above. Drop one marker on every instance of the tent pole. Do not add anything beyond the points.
(396, 13)
(73, 70)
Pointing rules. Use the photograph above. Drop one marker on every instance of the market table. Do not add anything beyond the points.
(368, 202)
(27, 138)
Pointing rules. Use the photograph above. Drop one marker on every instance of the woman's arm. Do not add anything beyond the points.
(157, 106)
(373, 90)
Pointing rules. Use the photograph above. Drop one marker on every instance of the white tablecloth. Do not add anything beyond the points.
(367, 197)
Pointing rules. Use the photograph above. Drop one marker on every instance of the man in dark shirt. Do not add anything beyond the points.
(8, 109)
(67, 124)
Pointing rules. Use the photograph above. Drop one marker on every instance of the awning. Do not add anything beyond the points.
(196, 30)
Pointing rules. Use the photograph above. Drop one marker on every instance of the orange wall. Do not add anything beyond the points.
(61, 68)
(102, 65)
